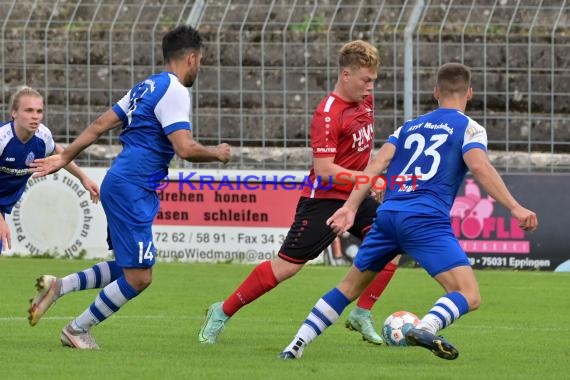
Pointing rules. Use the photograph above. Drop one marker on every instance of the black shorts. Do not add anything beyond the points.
(309, 234)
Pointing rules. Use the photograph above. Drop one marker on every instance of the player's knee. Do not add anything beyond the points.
(145, 283)
(141, 284)
(139, 279)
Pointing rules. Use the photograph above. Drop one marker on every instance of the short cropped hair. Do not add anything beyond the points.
(358, 54)
(453, 78)
(22, 91)
(179, 41)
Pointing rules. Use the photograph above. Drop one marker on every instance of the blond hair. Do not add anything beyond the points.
(22, 91)
(357, 54)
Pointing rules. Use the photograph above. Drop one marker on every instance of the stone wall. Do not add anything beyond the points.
(261, 79)
(251, 158)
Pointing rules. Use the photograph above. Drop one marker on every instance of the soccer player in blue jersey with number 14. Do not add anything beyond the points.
(155, 120)
(434, 152)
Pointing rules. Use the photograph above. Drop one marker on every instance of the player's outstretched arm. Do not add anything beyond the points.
(102, 124)
(343, 218)
(76, 171)
(191, 150)
(478, 163)
(374, 168)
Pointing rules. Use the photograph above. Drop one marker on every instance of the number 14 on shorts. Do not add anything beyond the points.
(146, 254)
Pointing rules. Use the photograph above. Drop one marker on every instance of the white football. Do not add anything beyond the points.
(396, 325)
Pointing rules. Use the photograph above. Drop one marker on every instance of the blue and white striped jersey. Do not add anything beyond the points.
(150, 111)
(428, 168)
(14, 159)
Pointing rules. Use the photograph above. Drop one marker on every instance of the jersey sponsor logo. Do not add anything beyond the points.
(13, 171)
(30, 158)
(10, 159)
(429, 125)
(325, 150)
(473, 131)
(362, 139)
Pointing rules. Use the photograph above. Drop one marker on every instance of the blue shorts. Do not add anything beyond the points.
(130, 211)
(428, 239)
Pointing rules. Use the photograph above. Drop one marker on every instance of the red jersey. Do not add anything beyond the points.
(344, 131)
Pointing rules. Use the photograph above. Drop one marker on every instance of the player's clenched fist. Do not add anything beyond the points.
(224, 153)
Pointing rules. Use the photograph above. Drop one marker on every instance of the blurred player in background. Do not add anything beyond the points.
(155, 120)
(342, 139)
(22, 140)
(438, 148)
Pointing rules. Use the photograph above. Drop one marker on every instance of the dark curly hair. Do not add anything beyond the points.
(178, 41)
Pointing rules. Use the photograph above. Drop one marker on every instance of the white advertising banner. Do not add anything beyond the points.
(225, 216)
(244, 216)
(205, 216)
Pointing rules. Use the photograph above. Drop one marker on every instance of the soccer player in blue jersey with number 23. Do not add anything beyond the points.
(434, 152)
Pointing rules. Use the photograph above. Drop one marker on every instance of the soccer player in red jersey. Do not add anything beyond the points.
(342, 139)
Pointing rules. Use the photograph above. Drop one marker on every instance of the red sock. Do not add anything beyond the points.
(371, 294)
(260, 281)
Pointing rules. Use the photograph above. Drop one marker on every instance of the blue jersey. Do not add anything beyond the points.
(150, 111)
(14, 159)
(428, 168)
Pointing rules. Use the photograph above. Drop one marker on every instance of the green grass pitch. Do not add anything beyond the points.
(522, 330)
